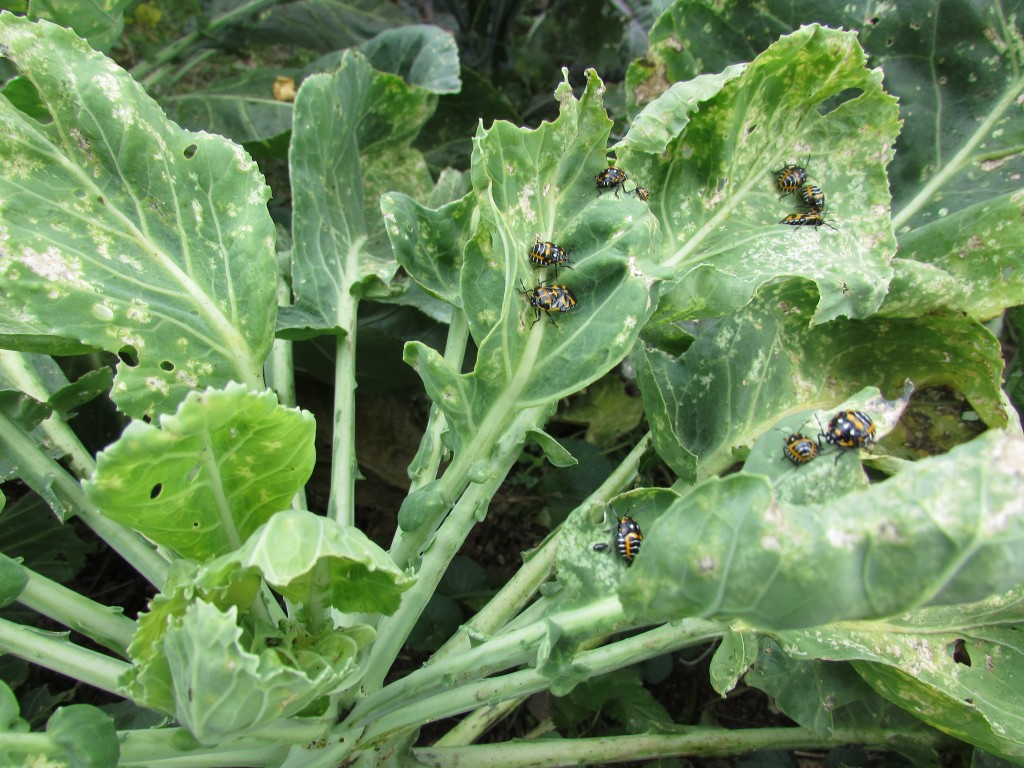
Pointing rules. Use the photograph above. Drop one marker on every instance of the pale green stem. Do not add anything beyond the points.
(428, 457)
(394, 630)
(697, 741)
(505, 650)
(175, 747)
(535, 571)
(950, 169)
(279, 372)
(344, 467)
(449, 698)
(45, 476)
(18, 370)
(517, 592)
(107, 626)
(46, 650)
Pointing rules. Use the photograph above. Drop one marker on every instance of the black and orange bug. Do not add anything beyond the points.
(800, 449)
(813, 198)
(628, 539)
(807, 219)
(544, 254)
(611, 177)
(549, 298)
(789, 178)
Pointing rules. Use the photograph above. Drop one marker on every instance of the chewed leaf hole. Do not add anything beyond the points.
(960, 655)
(156, 490)
(128, 355)
(190, 151)
(834, 102)
(166, 365)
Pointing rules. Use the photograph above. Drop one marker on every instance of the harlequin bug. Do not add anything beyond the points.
(628, 539)
(611, 177)
(849, 430)
(642, 193)
(799, 449)
(789, 178)
(549, 298)
(807, 219)
(550, 255)
(813, 198)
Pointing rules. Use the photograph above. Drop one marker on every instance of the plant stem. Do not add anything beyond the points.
(175, 747)
(394, 630)
(453, 699)
(65, 495)
(53, 652)
(107, 626)
(17, 368)
(698, 741)
(505, 650)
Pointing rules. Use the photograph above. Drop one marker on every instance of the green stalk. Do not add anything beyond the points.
(53, 652)
(48, 478)
(107, 626)
(451, 699)
(500, 652)
(279, 372)
(697, 741)
(394, 630)
(344, 467)
(17, 369)
(176, 748)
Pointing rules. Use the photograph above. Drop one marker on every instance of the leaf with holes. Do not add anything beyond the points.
(349, 144)
(744, 374)
(532, 184)
(945, 530)
(210, 474)
(810, 100)
(950, 666)
(126, 233)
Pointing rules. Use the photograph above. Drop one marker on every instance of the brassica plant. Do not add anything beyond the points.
(874, 593)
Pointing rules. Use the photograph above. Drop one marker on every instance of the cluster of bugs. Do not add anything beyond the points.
(847, 431)
(560, 298)
(792, 179)
(627, 539)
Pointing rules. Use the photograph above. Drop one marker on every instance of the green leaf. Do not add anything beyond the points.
(555, 452)
(953, 666)
(308, 558)
(98, 21)
(741, 375)
(423, 55)
(350, 127)
(800, 687)
(527, 183)
(943, 531)
(209, 475)
(208, 662)
(733, 657)
(960, 143)
(126, 233)
(713, 188)
(242, 108)
(428, 242)
(968, 261)
(326, 25)
(87, 735)
(13, 578)
(30, 531)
